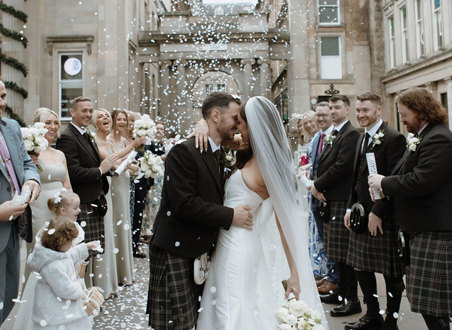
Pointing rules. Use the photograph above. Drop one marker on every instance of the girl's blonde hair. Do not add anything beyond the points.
(41, 114)
(60, 231)
(62, 200)
(94, 118)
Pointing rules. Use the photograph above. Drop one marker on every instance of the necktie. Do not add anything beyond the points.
(334, 133)
(366, 143)
(320, 149)
(9, 165)
(216, 155)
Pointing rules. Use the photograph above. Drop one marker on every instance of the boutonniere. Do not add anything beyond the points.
(91, 134)
(227, 159)
(378, 138)
(329, 139)
(412, 142)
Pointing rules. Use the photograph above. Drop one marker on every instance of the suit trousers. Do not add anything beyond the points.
(141, 193)
(9, 274)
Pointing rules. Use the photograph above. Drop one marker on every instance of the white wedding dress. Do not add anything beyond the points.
(244, 287)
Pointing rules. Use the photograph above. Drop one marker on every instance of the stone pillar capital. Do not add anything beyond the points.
(448, 79)
(263, 61)
(249, 61)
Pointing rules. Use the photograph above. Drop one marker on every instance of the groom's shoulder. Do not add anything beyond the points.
(184, 145)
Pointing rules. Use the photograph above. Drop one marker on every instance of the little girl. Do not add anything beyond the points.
(58, 293)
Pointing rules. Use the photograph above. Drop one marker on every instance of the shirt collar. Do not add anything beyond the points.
(328, 130)
(422, 128)
(213, 145)
(82, 131)
(374, 128)
(339, 127)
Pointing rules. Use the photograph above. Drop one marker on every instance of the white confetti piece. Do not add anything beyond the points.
(177, 244)
(213, 289)
(83, 224)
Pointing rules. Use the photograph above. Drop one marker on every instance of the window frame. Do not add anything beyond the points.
(404, 33)
(419, 19)
(339, 56)
(61, 81)
(338, 7)
(391, 40)
(437, 24)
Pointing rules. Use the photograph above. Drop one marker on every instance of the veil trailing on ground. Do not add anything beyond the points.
(272, 151)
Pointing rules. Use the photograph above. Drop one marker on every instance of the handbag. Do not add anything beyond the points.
(404, 248)
(201, 267)
(324, 211)
(24, 226)
(100, 206)
(358, 219)
(93, 300)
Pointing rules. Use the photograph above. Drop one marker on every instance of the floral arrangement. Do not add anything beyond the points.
(329, 139)
(377, 139)
(296, 314)
(151, 165)
(227, 157)
(34, 139)
(412, 142)
(144, 126)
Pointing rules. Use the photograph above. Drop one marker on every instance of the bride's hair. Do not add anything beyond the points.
(244, 155)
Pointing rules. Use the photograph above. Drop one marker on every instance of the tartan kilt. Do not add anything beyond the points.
(335, 234)
(94, 226)
(429, 275)
(173, 296)
(377, 254)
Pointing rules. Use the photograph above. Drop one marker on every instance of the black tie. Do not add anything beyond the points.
(216, 155)
(366, 143)
(334, 133)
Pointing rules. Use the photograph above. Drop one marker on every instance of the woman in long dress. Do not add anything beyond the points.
(243, 290)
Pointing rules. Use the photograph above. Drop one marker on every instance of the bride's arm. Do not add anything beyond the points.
(293, 283)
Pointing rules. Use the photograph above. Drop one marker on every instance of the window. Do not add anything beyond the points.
(437, 25)
(391, 42)
(209, 89)
(70, 81)
(221, 87)
(219, 11)
(403, 25)
(329, 12)
(330, 58)
(419, 29)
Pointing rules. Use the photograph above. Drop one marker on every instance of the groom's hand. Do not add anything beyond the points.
(242, 217)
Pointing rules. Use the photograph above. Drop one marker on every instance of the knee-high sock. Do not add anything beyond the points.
(348, 285)
(368, 284)
(394, 290)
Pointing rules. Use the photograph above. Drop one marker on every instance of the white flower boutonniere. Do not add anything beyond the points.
(412, 143)
(91, 134)
(378, 138)
(329, 139)
(227, 159)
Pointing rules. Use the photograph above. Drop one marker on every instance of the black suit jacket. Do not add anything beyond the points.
(421, 184)
(387, 155)
(191, 211)
(83, 162)
(334, 171)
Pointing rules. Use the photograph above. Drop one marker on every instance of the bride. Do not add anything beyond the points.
(244, 289)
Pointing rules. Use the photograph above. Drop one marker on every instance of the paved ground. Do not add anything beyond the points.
(128, 310)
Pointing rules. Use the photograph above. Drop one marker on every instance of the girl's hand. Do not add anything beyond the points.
(138, 142)
(201, 134)
(94, 245)
(35, 158)
(293, 285)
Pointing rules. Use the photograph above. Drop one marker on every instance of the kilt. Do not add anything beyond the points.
(94, 226)
(335, 234)
(429, 275)
(377, 254)
(173, 297)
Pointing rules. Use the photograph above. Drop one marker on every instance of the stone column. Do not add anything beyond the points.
(264, 78)
(183, 116)
(164, 90)
(449, 100)
(247, 67)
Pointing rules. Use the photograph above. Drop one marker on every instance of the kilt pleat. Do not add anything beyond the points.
(93, 225)
(377, 254)
(173, 297)
(335, 240)
(429, 275)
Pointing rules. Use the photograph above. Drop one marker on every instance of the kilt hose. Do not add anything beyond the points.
(93, 225)
(173, 297)
(376, 254)
(429, 275)
(335, 234)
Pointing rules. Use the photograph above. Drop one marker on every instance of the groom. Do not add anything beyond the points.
(189, 219)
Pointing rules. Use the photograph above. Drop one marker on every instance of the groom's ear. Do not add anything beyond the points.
(215, 116)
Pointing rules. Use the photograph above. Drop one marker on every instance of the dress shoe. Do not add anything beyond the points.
(327, 287)
(366, 322)
(320, 281)
(350, 308)
(390, 323)
(332, 298)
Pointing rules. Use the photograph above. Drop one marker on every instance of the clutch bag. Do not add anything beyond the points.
(358, 219)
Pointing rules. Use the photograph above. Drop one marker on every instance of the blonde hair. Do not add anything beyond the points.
(303, 135)
(62, 200)
(94, 117)
(60, 231)
(41, 115)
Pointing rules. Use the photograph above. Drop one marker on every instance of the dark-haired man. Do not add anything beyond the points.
(190, 216)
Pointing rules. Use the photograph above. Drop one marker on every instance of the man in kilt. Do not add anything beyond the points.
(189, 218)
(373, 246)
(332, 185)
(421, 188)
(86, 171)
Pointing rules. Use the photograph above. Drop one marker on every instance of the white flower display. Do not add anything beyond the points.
(34, 139)
(296, 314)
(412, 143)
(144, 126)
(151, 165)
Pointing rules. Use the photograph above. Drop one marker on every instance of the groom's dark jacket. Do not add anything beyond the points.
(191, 211)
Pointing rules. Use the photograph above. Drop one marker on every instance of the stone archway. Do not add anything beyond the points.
(209, 82)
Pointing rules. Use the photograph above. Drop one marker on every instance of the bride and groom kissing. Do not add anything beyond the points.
(200, 212)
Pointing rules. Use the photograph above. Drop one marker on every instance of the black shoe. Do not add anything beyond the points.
(390, 323)
(332, 298)
(350, 308)
(366, 322)
(140, 255)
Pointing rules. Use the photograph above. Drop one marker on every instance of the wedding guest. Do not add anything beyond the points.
(420, 187)
(332, 186)
(373, 246)
(120, 193)
(18, 171)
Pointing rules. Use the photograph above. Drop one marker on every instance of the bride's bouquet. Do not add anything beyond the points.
(34, 139)
(150, 165)
(296, 314)
(144, 126)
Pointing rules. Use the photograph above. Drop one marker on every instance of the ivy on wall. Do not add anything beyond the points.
(14, 35)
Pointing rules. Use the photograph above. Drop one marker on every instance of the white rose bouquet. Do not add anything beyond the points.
(296, 314)
(34, 139)
(144, 126)
(151, 165)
